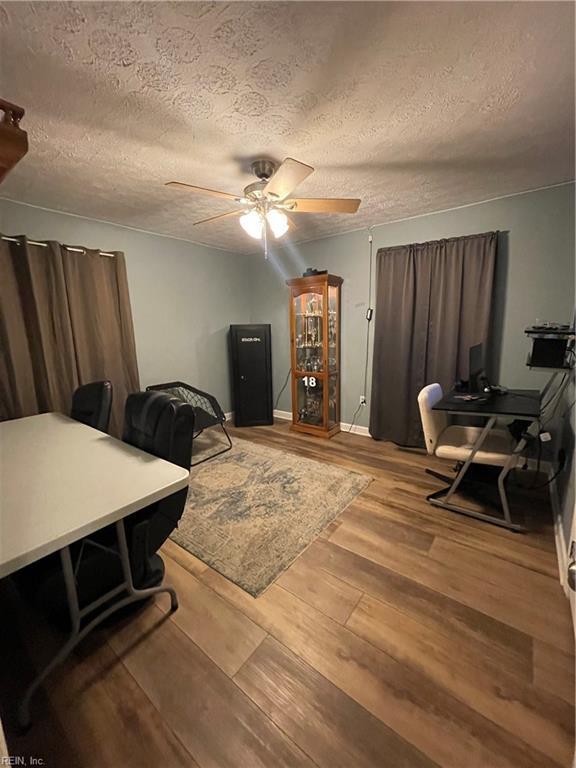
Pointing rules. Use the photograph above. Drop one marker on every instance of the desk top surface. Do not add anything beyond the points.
(61, 480)
(520, 403)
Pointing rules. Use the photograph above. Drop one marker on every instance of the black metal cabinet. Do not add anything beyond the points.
(250, 348)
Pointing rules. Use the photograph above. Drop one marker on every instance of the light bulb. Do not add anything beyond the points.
(278, 222)
(252, 223)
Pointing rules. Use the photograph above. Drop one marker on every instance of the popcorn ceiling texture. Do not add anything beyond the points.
(413, 107)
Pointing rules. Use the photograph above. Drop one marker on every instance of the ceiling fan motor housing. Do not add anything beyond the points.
(263, 169)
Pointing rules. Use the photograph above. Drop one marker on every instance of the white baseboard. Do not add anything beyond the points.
(287, 416)
(282, 415)
(356, 430)
(561, 545)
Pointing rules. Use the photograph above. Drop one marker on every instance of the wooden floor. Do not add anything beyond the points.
(404, 637)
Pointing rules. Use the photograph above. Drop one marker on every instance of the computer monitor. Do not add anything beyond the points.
(477, 379)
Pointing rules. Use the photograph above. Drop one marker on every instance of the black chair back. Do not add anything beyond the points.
(91, 404)
(163, 426)
(159, 424)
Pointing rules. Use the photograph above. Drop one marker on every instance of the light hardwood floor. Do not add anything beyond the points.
(404, 637)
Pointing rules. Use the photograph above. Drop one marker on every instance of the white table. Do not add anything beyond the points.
(61, 481)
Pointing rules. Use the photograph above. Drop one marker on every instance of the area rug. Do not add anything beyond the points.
(253, 510)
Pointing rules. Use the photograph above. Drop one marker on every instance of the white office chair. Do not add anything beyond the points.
(467, 445)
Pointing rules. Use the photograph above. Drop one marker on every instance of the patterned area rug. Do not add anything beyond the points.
(253, 510)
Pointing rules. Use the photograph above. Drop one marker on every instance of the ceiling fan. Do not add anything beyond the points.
(266, 202)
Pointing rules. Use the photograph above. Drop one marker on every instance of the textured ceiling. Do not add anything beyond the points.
(413, 107)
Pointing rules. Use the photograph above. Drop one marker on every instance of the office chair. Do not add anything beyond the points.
(455, 442)
(91, 404)
(163, 426)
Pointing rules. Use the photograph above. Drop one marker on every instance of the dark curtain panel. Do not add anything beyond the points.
(101, 320)
(37, 368)
(433, 303)
(65, 320)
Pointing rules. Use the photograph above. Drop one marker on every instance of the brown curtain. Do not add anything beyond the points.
(433, 303)
(65, 320)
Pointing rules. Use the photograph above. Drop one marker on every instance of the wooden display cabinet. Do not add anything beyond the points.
(13, 140)
(315, 356)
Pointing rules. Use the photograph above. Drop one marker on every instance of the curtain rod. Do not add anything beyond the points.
(45, 245)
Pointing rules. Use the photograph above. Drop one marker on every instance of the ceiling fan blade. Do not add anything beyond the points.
(286, 178)
(202, 190)
(219, 216)
(322, 205)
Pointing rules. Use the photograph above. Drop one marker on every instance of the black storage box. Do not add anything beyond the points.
(548, 353)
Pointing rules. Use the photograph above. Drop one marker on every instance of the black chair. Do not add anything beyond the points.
(163, 426)
(207, 410)
(91, 404)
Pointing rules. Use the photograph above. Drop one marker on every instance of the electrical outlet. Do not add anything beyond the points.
(362, 399)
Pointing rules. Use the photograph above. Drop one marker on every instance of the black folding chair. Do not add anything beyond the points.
(207, 411)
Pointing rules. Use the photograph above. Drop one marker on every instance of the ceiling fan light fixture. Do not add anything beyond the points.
(252, 223)
(265, 201)
(278, 222)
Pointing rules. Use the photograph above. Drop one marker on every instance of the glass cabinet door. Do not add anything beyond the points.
(333, 328)
(308, 331)
(310, 400)
(333, 409)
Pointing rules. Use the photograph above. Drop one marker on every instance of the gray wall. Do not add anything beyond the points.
(535, 280)
(184, 296)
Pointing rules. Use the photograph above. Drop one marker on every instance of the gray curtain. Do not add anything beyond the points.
(433, 302)
(65, 320)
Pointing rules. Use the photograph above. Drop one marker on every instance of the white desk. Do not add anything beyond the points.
(61, 481)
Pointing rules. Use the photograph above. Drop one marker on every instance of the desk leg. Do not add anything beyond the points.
(134, 593)
(63, 653)
(77, 613)
(475, 448)
(442, 498)
(504, 474)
